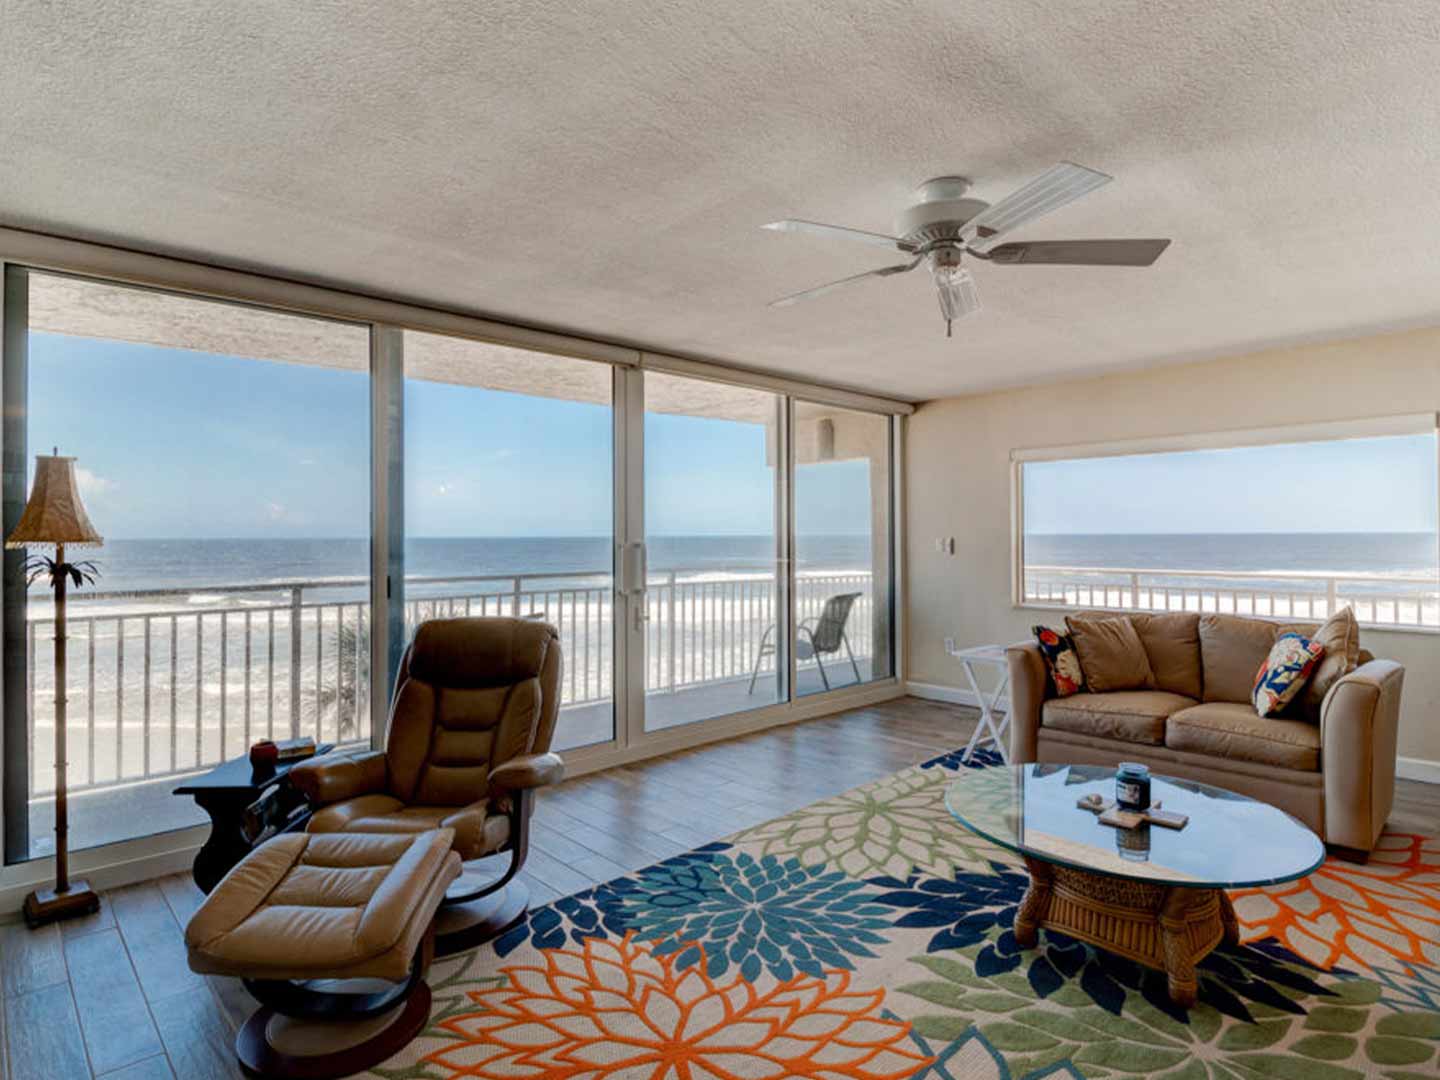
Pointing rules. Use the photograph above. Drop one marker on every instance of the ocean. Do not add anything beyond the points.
(132, 565)
(1349, 552)
(210, 565)
(207, 567)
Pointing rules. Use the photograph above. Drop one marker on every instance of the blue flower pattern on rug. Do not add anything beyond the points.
(963, 910)
(983, 758)
(759, 914)
(597, 912)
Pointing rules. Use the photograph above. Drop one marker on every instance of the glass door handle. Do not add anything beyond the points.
(636, 573)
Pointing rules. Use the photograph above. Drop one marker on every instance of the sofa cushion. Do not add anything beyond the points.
(1232, 648)
(1172, 644)
(1340, 635)
(1136, 716)
(1230, 730)
(1110, 653)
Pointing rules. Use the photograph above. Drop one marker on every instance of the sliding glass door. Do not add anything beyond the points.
(223, 453)
(509, 504)
(844, 547)
(713, 636)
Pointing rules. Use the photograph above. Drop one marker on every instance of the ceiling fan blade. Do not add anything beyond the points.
(1078, 252)
(1052, 189)
(820, 229)
(820, 290)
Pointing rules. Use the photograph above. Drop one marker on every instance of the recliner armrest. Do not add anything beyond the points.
(333, 777)
(525, 772)
(1359, 732)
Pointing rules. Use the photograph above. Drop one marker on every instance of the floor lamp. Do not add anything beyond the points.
(54, 516)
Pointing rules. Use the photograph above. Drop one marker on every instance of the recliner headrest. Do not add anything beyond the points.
(475, 652)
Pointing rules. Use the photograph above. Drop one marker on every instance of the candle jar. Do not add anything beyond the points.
(1134, 844)
(1132, 786)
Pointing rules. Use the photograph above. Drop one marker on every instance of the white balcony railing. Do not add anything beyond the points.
(169, 681)
(1400, 601)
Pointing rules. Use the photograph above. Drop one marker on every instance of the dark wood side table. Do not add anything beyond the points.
(226, 793)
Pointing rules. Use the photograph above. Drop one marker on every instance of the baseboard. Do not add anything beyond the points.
(108, 867)
(955, 695)
(1421, 769)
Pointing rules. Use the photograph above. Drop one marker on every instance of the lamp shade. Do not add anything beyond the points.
(54, 514)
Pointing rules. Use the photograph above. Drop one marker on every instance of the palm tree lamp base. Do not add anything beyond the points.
(47, 905)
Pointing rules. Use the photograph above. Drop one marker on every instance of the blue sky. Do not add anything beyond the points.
(1353, 485)
(180, 444)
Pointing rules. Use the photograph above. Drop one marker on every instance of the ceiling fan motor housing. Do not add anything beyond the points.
(939, 212)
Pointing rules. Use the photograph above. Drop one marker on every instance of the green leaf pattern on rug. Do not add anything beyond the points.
(890, 827)
(1342, 1036)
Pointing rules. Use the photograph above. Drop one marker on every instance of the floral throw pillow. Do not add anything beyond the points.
(1283, 674)
(1060, 658)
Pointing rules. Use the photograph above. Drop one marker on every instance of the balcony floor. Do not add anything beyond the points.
(107, 815)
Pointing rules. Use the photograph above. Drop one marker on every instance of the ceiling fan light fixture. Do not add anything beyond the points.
(956, 289)
(953, 285)
(957, 292)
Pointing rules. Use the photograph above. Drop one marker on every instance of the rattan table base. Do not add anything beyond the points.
(1167, 927)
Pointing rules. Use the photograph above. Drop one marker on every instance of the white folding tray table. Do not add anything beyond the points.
(987, 730)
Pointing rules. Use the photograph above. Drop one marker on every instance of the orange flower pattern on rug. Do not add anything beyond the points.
(614, 1008)
(1352, 916)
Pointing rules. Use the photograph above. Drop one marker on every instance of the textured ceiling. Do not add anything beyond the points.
(604, 167)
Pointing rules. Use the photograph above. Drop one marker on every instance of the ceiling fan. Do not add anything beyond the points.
(944, 224)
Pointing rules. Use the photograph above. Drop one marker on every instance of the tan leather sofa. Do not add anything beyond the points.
(1334, 771)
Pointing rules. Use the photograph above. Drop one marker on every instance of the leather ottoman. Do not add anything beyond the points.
(332, 934)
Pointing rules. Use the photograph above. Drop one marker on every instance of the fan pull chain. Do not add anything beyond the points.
(948, 325)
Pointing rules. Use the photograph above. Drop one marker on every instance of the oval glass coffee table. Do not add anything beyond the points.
(1152, 894)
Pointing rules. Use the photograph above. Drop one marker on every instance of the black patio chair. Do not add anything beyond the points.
(815, 638)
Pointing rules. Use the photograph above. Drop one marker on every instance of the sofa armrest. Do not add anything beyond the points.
(1359, 732)
(333, 777)
(526, 772)
(1029, 681)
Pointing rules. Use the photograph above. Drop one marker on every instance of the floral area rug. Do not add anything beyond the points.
(868, 937)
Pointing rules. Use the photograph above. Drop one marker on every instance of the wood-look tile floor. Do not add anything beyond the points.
(111, 996)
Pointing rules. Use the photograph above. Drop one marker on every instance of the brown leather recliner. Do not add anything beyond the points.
(475, 705)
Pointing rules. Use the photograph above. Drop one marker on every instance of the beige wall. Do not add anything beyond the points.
(958, 479)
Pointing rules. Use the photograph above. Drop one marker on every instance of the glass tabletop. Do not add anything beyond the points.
(1230, 841)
